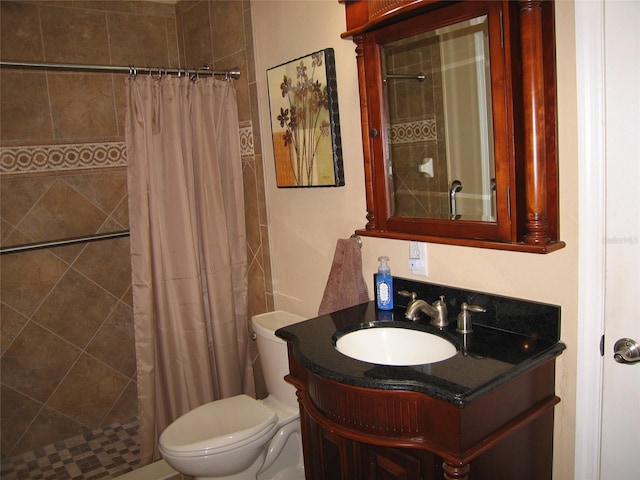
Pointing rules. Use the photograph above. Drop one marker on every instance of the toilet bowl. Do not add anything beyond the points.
(241, 438)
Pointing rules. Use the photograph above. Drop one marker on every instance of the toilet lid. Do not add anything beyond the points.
(218, 425)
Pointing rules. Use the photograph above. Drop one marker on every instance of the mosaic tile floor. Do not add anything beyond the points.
(104, 453)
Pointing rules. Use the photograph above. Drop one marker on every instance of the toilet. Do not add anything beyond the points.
(241, 438)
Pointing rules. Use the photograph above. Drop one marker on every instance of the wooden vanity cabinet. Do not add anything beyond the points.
(328, 455)
(352, 433)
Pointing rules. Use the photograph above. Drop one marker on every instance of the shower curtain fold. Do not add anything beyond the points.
(188, 248)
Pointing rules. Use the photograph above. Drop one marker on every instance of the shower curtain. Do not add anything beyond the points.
(188, 249)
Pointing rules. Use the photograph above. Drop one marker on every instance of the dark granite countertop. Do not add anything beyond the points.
(486, 358)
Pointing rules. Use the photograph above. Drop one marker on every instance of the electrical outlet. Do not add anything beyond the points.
(418, 258)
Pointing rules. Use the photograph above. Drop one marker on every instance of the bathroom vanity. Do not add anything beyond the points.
(484, 413)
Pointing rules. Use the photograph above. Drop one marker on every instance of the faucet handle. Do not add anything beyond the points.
(441, 307)
(405, 293)
(472, 308)
(464, 317)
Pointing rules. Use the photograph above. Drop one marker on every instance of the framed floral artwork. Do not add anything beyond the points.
(305, 125)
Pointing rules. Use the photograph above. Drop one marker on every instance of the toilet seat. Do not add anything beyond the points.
(218, 426)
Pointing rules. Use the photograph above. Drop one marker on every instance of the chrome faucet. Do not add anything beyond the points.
(437, 311)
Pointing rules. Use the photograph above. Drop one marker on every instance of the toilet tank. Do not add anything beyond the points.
(273, 353)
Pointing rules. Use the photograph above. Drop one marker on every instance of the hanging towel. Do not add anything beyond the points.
(345, 286)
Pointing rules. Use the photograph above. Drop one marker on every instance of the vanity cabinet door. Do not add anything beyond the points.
(330, 456)
(327, 456)
(382, 463)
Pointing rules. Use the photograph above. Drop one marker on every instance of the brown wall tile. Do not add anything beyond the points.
(73, 35)
(48, 427)
(20, 38)
(75, 309)
(121, 214)
(18, 195)
(61, 213)
(107, 5)
(82, 106)
(108, 264)
(251, 206)
(248, 33)
(36, 362)
(25, 106)
(16, 415)
(113, 344)
(125, 407)
(173, 49)
(155, 8)
(238, 59)
(120, 100)
(101, 387)
(139, 43)
(227, 29)
(196, 34)
(105, 190)
(11, 325)
(27, 278)
(255, 120)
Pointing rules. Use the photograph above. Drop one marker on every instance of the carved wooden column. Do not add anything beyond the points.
(533, 92)
(366, 138)
(456, 472)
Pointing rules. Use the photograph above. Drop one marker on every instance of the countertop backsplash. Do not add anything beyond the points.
(523, 317)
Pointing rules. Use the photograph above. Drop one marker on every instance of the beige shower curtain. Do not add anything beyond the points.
(188, 248)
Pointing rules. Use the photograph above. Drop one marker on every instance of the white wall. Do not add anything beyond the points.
(305, 223)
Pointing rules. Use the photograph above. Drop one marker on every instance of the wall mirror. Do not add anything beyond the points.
(437, 94)
(458, 115)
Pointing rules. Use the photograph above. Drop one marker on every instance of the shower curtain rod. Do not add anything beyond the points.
(131, 69)
(67, 241)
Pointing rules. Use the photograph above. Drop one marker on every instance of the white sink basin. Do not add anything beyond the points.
(395, 346)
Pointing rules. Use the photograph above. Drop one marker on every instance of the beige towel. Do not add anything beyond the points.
(345, 286)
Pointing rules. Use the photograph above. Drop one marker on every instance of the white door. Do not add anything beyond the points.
(620, 443)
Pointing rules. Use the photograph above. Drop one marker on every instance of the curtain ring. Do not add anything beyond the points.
(132, 71)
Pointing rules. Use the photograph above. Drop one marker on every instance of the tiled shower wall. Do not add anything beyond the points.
(68, 362)
(67, 339)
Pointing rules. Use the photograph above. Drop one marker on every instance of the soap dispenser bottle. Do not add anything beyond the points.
(384, 285)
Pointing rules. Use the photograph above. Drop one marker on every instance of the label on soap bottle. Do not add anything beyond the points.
(384, 292)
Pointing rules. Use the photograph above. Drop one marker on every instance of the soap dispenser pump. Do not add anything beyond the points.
(384, 285)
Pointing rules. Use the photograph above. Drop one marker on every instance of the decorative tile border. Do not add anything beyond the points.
(47, 158)
(411, 132)
(246, 141)
(44, 158)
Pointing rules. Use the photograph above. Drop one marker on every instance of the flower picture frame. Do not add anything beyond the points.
(305, 123)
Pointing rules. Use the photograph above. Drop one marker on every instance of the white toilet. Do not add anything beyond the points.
(240, 438)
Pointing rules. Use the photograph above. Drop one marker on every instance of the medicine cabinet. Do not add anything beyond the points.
(458, 108)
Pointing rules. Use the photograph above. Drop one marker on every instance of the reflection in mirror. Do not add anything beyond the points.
(439, 149)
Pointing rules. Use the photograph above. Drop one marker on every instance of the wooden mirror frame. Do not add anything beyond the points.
(528, 213)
